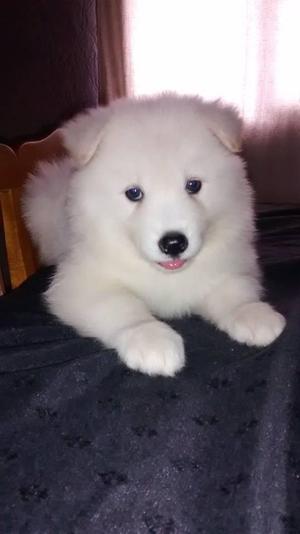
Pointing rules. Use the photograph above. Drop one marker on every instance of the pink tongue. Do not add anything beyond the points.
(172, 264)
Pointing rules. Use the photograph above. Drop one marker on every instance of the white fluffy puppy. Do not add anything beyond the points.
(151, 216)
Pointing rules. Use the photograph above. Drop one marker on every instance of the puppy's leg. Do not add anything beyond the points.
(235, 307)
(122, 321)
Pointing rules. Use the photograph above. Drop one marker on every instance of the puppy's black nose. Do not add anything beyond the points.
(173, 244)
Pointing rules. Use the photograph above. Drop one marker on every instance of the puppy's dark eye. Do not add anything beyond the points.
(134, 194)
(193, 186)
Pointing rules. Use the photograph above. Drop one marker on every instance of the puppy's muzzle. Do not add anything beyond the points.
(173, 244)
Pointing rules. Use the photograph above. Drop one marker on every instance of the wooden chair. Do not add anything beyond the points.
(18, 258)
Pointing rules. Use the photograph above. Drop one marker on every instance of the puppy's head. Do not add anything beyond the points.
(156, 174)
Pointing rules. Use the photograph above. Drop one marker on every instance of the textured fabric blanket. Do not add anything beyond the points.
(88, 446)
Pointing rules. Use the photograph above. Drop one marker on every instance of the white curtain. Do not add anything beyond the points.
(243, 51)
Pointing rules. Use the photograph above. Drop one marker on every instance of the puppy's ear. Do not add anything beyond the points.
(225, 123)
(82, 135)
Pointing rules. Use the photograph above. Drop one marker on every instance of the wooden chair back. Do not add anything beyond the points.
(18, 258)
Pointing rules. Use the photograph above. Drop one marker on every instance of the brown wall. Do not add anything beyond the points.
(48, 64)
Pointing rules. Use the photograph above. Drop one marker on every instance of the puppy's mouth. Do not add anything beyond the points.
(173, 264)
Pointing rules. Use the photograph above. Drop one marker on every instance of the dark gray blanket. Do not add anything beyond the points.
(88, 446)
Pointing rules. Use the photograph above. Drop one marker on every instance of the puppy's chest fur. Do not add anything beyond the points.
(171, 294)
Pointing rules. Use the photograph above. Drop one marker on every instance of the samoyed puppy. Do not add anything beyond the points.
(151, 217)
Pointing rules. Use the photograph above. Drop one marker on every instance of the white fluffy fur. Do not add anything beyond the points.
(44, 208)
(108, 283)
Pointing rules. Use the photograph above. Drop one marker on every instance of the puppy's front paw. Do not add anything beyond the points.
(152, 348)
(256, 323)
